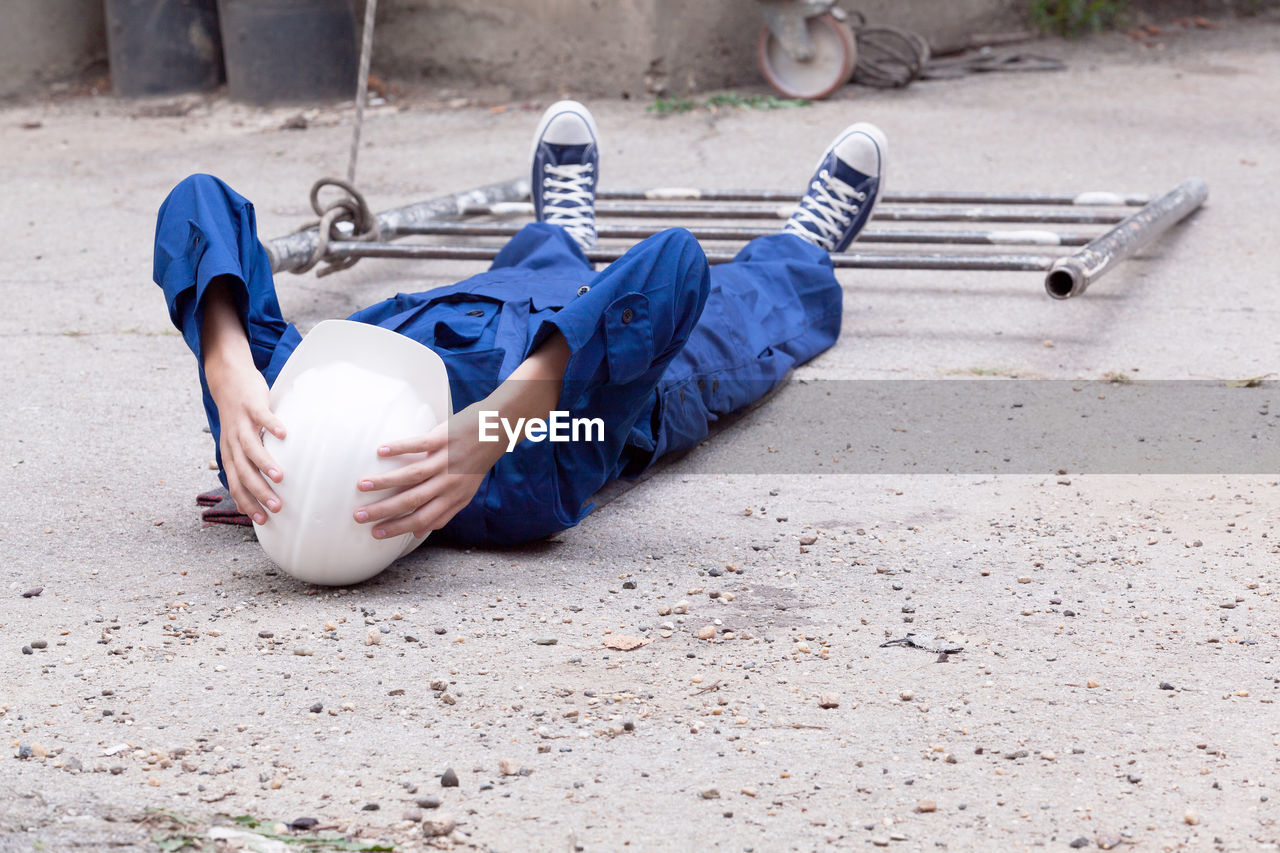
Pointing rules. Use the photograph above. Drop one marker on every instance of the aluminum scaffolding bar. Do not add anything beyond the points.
(1007, 237)
(884, 213)
(1067, 275)
(1086, 199)
(293, 251)
(1072, 275)
(854, 260)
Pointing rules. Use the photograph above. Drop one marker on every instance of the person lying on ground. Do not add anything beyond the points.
(657, 345)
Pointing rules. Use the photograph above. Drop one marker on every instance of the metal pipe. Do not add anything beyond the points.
(1071, 275)
(892, 214)
(1086, 199)
(293, 251)
(857, 260)
(1008, 237)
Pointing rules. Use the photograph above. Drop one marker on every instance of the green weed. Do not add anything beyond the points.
(754, 102)
(1076, 17)
(671, 106)
(724, 100)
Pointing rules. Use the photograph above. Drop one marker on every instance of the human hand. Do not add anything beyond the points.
(433, 489)
(244, 410)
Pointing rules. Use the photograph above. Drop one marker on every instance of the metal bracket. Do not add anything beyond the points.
(788, 21)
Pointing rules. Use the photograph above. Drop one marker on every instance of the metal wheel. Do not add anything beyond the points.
(835, 52)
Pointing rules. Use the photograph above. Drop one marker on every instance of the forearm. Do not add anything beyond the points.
(436, 487)
(223, 340)
(533, 388)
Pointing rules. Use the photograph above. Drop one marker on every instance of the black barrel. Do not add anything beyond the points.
(289, 51)
(161, 47)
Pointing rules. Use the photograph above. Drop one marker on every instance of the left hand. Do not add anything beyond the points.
(434, 491)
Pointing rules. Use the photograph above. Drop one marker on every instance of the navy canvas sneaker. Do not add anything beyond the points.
(844, 188)
(566, 164)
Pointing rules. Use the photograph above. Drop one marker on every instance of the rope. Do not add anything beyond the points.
(888, 57)
(362, 86)
(891, 57)
(349, 207)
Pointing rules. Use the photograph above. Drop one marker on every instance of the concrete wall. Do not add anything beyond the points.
(44, 41)
(611, 47)
(541, 47)
(590, 47)
(527, 47)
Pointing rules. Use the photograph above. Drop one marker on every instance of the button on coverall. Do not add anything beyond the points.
(661, 344)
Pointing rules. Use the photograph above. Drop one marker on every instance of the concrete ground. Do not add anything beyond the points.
(182, 673)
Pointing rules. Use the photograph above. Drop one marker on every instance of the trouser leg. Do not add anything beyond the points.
(623, 332)
(774, 307)
(541, 246)
(205, 231)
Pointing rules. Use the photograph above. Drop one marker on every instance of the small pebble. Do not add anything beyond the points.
(449, 779)
(926, 806)
(32, 593)
(1091, 683)
(829, 700)
(316, 708)
(1081, 841)
(906, 695)
(413, 815)
(1191, 817)
(266, 635)
(370, 807)
(545, 641)
(434, 826)
(709, 793)
(39, 644)
(706, 632)
(1024, 579)
(428, 802)
(26, 650)
(1049, 755)
(303, 652)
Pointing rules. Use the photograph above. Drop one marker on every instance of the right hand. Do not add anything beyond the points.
(244, 410)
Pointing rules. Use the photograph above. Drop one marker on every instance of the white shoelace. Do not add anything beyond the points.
(567, 201)
(829, 208)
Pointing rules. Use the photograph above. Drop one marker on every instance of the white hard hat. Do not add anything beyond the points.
(347, 389)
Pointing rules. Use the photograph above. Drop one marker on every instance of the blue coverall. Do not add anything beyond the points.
(661, 344)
